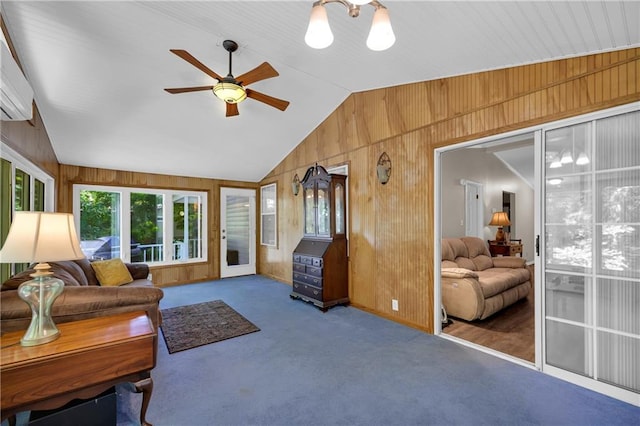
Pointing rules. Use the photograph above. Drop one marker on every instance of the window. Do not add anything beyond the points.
(163, 226)
(268, 215)
(23, 187)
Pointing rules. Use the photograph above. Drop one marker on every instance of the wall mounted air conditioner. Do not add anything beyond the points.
(16, 95)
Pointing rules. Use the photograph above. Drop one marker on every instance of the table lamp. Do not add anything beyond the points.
(41, 237)
(500, 219)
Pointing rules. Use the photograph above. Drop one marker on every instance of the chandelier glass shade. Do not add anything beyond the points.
(381, 36)
(319, 33)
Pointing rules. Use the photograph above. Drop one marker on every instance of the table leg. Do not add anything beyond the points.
(146, 387)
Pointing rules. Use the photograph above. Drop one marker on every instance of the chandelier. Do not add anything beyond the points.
(319, 33)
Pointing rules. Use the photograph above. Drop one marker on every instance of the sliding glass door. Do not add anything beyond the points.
(592, 250)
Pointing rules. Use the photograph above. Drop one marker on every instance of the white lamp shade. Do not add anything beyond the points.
(319, 33)
(381, 36)
(360, 2)
(41, 237)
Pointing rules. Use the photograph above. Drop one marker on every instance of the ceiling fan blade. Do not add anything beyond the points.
(188, 89)
(269, 100)
(261, 72)
(196, 63)
(232, 109)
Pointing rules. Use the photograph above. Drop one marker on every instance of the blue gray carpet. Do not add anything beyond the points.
(347, 367)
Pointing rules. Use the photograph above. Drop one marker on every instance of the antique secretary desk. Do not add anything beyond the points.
(320, 259)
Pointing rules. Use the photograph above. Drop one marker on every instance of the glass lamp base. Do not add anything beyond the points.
(39, 294)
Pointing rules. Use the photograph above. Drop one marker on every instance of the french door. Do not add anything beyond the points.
(591, 255)
(237, 232)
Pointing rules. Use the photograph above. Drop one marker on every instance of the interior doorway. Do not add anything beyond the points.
(477, 180)
(237, 232)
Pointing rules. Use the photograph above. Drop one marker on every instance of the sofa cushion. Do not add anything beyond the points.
(458, 247)
(482, 262)
(475, 246)
(112, 272)
(90, 274)
(496, 280)
(448, 264)
(466, 263)
(61, 270)
(447, 251)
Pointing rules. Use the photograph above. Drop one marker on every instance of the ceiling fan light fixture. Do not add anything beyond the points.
(319, 33)
(381, 36)
(230, 92)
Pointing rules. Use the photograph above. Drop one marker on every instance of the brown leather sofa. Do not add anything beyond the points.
(476, 285)
(83, 297)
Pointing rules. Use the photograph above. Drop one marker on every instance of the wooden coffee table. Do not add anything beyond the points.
(89, 357)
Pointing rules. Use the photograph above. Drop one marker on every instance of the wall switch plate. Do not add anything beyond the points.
(394, 304)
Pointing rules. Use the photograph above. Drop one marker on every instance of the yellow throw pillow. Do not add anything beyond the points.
(111, 272)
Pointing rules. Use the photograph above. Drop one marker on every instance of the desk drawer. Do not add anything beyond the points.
(308, 290)
(299, 267)
(307, 279)
(316, 272)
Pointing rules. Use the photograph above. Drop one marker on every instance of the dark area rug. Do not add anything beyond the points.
(190, 326)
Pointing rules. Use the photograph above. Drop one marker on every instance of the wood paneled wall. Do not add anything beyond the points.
(391, 226)
(30, 139)
(170, 274)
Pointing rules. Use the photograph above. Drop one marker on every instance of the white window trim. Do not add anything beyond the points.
(125, 224)
(274, 214)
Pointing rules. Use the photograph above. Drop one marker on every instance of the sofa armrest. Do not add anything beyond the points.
(462, 297)
(76, 303)
(458, 273)
(138, 271)
(509, 262)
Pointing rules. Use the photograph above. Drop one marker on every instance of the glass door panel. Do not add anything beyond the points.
(339, 197)
(238, 239)
(324, 218)
(310, 212)
(592, 260)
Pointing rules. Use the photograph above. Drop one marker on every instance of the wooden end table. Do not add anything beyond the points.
(89, 357)
(505, 249)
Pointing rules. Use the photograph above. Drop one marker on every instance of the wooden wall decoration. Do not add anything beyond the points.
(391, 230)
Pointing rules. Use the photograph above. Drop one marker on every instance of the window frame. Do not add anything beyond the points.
(264, 214)
(167, 223)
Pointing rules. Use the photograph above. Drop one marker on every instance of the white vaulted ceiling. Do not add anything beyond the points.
(99, 68)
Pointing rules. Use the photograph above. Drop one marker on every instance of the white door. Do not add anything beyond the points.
(473, 220)
(237, 232)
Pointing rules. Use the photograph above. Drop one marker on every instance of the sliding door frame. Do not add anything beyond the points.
(540, 348)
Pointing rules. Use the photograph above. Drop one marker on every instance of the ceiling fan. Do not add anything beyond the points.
(230, 89)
